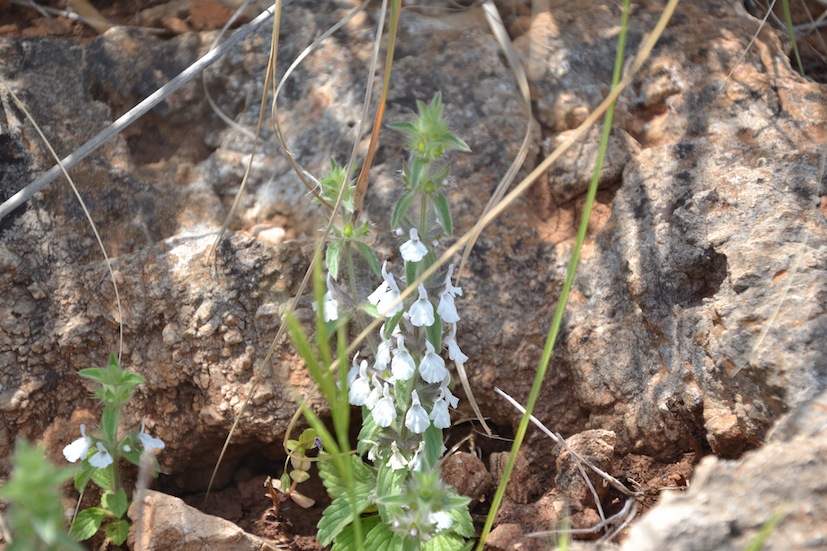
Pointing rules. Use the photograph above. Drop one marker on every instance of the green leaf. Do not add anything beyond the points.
(87, 523)
(116, 503)
(434, 332)
(346, 541)
(94, 373)
(401, 208)
(104, 478)
(109, 424)
(83, 475)
(443, 213)
(463, 524)
(334, 482)
(370, 257)
(391, 324)
(382, 538)
(118, 531)
(334, 255)
(388, 483)
(444, 541)
(433, 446)
(340, 513)
(366, 433)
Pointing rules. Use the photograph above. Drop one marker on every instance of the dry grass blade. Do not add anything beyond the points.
(63, 169)
(621, 518)
(271, 64)
(305, 176)
(615, 483)
(130, 116)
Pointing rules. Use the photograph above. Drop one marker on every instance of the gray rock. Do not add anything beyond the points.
(730, 502)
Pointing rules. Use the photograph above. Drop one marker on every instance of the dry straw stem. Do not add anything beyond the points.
(615, 483)
(85, 211)
(130, 116)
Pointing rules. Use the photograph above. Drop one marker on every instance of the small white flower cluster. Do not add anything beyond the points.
(407, 355)
(78, 450)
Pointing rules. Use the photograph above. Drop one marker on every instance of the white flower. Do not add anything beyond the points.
(373, 452)
(353, 372)
(403, 366)
(386, 294)
(413, 250)
(102, 459)
(397, 460)
(127, 448)
(440, 415)
(78, 449)
(149, 442)
(416, 461)
(446, 394)
(360, 388)
(375, 394)
(442, 520)
(417, 418)
(383, 355)
(329, 304)
(449, 287)
(331, 307)
(422, 311)
(446, 308)
(432, 367)
(453, 348)
(384, 412)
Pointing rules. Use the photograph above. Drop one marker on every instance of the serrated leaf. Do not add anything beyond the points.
(334, 483)
(388, 483)
(116, 503)
(443, 213)
(347, 537)
(340, 513)
(463, 524)
(382, 538)
(118, 531)
(334, 254)
(87, 523)
(401, 208)
(443, 542)
(370, 257)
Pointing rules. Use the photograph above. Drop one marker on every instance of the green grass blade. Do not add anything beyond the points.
(561, 304)
(788, 17)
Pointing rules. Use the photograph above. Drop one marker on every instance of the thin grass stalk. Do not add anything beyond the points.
(556, 323)
(788, 18)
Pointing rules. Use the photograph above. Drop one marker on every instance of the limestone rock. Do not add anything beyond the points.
(730, 501)
(166, 522)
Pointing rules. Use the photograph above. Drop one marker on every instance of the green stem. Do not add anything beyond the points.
(564, 293)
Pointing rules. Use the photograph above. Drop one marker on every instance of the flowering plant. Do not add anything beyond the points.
(100, 454)
(403, 386)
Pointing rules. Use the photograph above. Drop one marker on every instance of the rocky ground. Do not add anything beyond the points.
(691, 366)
